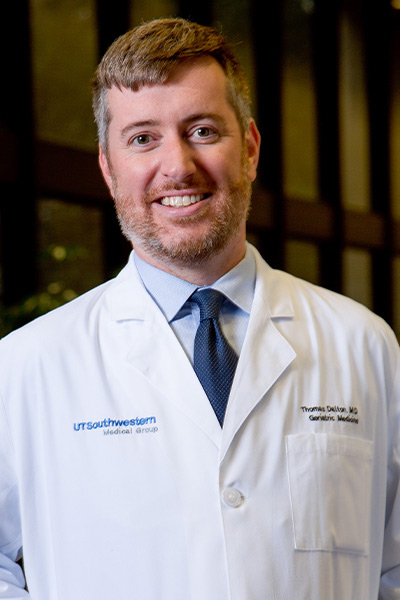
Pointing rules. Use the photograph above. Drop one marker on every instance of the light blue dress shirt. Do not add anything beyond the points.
(172, 295)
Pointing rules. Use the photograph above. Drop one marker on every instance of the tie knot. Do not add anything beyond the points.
(209, 301)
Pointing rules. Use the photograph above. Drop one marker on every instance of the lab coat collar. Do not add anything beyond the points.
(127, 297)
(273, 289)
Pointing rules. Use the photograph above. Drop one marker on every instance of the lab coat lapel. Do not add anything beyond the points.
(265, 355)
(159, 357)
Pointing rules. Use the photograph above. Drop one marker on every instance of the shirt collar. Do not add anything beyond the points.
(170, 293)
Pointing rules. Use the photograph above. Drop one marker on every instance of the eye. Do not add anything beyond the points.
(204, 133)
(142, 139)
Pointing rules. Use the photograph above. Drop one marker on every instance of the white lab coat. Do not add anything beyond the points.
(119, 483)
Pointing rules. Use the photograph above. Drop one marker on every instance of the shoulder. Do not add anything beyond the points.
(318, 308)
(57, 322)
(78, 318)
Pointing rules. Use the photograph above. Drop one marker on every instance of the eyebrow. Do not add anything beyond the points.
(189, 119)
(137, 125)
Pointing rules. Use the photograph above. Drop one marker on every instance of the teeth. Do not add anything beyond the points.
(181, 200)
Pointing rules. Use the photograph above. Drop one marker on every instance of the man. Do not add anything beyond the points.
(122, 475)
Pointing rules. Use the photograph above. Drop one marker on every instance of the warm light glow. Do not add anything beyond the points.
(396, 4)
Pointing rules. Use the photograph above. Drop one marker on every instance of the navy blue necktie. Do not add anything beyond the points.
(214, 359)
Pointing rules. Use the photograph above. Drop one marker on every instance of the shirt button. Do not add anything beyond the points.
(232, 497)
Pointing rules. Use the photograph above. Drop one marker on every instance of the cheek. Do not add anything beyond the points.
(131, 180)
(226, 167)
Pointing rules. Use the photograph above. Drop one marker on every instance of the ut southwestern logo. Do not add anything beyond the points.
(120, 426)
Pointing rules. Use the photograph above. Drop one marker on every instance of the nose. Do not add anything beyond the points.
(178, 161)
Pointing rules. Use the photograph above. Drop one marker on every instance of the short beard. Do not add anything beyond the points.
(143, 233)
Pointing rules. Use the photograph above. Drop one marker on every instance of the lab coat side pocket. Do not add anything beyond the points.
(330, 478)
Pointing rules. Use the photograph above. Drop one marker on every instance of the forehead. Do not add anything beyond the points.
(194, 86)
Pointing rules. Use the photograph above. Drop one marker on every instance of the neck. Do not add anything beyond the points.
(201, 273)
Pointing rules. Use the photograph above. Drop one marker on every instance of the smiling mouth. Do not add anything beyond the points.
(186, 200)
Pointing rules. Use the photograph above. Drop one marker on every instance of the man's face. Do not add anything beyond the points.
(179, 169)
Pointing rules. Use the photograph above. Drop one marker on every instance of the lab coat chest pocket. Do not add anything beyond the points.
(330, 478)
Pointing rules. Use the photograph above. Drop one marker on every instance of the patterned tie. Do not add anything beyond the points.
(214, 359)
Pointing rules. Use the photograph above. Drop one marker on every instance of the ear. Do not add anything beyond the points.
(105, 169)
(253, 142)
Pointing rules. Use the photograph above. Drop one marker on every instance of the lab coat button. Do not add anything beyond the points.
(232, 497)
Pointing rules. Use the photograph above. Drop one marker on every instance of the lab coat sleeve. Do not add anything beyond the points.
(12, 582)
(390, 580)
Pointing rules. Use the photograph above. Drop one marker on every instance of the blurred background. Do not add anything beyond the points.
(325, 76)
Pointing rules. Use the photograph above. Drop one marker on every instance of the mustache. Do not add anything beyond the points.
(194, 183)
